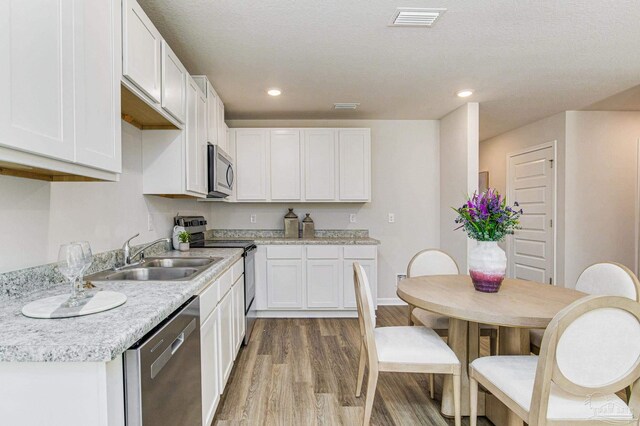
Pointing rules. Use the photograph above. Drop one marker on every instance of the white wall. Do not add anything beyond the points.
(459, 175)
(601, 182)
(493, 158)
(38, 216)
(405, 181)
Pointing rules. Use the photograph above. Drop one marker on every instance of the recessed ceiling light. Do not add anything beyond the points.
(464, 93)
(274, 92)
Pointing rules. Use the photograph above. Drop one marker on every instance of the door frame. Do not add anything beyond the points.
(636, 265)
(554, 146)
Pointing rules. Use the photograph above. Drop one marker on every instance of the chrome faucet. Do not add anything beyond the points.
(128, 257)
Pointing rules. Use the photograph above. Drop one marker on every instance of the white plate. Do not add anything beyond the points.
(53, 307)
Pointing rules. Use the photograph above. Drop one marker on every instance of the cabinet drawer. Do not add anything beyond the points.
(360, 252)
(225, 282)
(237, 270)
(284, 252)
(323, 252)
(209, 299)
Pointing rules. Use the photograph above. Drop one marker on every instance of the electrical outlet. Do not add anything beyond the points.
(253, 218)
(392, 218)
(352, 218)
(400, 277)
(150, 225)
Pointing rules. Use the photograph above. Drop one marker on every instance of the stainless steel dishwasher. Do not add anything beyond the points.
(162, 372)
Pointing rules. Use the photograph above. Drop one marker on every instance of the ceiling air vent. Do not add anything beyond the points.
(346, 105)
(415, 17)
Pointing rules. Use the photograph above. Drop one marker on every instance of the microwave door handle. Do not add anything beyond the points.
(230, 176)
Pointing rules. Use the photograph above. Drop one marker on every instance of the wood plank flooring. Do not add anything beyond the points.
(303, 372)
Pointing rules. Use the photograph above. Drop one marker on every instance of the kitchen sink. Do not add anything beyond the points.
(176, 262)
(158, 269)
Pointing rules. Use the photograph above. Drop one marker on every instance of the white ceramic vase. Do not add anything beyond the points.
(487, 266)
(184, 246)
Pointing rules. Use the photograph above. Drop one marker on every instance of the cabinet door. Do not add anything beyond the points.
(209, 353)
(323, 283)
(239, 325)
(226, 338)
(284, 284)
(202, 168)
(141, 45)
(285, 164)
(320, 165)
(97, 85)
(36, 77)
(212, 115)
(220, 127)
(251, 165)
(191, 134)
(349, 293)
(355, 164)
(174, 78)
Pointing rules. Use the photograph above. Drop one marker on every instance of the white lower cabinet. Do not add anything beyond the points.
(209, 344)
(221, 334)
(226, 337)
(313, 280)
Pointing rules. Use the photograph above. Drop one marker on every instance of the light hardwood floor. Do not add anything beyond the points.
(303, 372)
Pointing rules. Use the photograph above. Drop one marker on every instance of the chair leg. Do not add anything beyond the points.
(473, 401)
(371, 394)
(361, 365)
(493, 342)
(431, 387)
(410, 307)
(456, 399)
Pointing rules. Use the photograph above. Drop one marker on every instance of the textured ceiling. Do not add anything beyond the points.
(525, 59)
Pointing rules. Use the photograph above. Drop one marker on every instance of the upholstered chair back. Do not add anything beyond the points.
(432, 262)
(366, 311)
(609, 279)
(591, 348)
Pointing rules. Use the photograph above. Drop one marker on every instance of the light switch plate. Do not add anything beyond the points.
(352, 218)
(253, 218)
(392, 218)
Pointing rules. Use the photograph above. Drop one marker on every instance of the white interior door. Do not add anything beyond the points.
(531, 182)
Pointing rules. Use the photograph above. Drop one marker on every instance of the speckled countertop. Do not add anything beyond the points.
(103, 336)
(276, 237)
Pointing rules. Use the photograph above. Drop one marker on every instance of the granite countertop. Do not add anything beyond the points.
(104, 336)
(276, 236)
(341, 241)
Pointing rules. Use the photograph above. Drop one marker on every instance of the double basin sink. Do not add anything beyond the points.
(158, 269)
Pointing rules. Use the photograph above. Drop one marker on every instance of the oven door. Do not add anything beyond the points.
(221, 174)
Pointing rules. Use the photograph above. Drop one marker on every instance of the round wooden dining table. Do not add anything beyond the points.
(517, 307)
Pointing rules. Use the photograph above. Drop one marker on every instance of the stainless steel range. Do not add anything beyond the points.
(196, 226)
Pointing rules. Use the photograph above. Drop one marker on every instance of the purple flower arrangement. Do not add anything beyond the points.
(487, 217)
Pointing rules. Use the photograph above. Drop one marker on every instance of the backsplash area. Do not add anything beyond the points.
(24, 281)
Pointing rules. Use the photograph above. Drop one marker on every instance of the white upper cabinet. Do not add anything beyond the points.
(252, 165)
(60, 101)
(212, 114)
(285, 157)
(221, 130)
(320, 164)
(355, 164)
(141, 50)
(174, 79)
(193, 163)
(304, 165)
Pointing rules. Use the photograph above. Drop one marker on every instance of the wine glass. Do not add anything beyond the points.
(70, 264)
(88, 260)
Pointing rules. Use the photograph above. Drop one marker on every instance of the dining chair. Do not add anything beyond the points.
(437, 262)
(606, 278)
(398, 349)
(590, 351)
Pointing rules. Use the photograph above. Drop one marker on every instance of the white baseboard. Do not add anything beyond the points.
(307, 314)
(390, 301)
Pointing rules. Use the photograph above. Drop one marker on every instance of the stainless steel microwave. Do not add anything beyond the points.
(220, 176)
